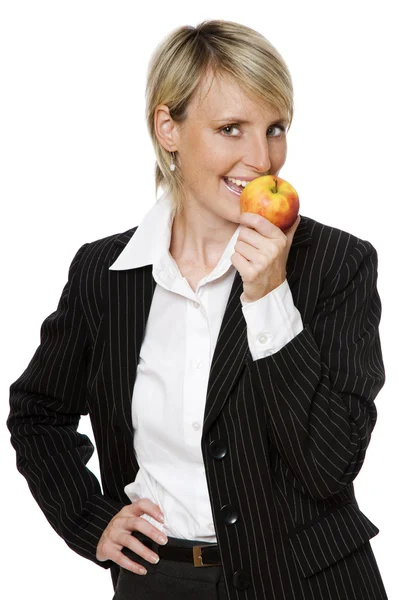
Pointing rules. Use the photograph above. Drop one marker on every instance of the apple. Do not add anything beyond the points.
(273, 198)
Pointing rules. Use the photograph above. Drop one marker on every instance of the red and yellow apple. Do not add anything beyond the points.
(273, 198)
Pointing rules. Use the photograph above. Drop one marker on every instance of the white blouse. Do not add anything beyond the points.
(173, 369)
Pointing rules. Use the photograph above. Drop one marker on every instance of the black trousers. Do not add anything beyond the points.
(170, 580)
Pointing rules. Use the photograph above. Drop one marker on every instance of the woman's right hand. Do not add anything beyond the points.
(118, 534)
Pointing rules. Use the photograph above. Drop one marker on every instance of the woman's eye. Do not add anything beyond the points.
(279, 128)
(230, 127)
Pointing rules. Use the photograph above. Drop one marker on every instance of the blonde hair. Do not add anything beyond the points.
(186, 55)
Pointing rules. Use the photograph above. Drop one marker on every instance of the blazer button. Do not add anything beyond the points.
(241, 580)
(217, 449)
(230, 514)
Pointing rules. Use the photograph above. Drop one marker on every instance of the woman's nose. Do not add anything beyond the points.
(258, 156)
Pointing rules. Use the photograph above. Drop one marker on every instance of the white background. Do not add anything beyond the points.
(77, 165)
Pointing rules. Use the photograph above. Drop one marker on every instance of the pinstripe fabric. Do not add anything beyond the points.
(294, 426)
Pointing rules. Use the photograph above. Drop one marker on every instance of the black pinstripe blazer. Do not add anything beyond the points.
(283, 436)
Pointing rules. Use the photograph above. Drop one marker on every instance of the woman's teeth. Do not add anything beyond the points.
(237, 181)
(232, 186)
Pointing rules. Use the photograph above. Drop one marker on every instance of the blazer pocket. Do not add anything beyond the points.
(330, 537)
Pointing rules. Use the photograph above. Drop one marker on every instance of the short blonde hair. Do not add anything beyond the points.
(221, 47)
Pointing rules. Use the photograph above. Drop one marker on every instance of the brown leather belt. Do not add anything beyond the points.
(200, 556)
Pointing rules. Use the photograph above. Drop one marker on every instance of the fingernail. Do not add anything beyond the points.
(162, 539)
(161, 517)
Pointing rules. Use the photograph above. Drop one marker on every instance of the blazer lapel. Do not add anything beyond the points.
(130, 296)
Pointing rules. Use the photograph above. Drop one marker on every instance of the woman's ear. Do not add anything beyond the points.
(165, 128)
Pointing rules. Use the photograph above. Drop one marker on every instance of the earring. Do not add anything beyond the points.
(172, 161)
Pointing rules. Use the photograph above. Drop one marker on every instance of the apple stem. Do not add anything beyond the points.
(275, 188)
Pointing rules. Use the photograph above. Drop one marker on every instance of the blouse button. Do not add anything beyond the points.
(196, 425)
(262, 338)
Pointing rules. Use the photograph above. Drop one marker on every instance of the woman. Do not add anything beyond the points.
(229, 368)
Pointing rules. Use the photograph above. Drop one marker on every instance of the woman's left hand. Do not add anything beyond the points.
(261, 255)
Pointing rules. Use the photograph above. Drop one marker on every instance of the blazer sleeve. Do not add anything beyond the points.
(46, 403)
(319, 389)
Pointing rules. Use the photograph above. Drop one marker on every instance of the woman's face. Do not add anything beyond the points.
(213, 144)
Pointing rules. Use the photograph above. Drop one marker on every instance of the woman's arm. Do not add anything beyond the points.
(46, 403)
(319, 389)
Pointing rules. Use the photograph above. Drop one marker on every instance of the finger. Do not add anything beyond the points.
(112, 549)
(241, 264)
(251, 236)
(124, 547)
(135, 549)
(260, 224)
(126, 563)
(296, 223)
(149, 530)
(291, 230)
(249, 252)
(144, 505)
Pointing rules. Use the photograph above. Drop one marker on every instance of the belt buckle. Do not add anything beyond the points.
(197, 557)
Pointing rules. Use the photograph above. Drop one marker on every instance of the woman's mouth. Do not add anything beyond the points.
(233, 187)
